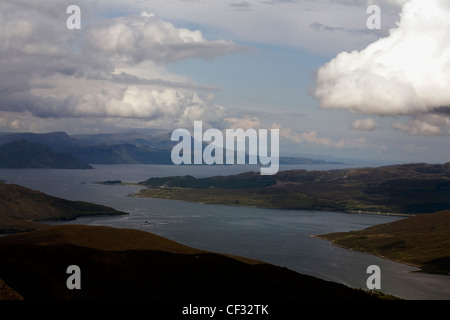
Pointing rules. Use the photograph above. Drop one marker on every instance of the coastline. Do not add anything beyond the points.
(420, 241)
(322, 237)
(240, 204)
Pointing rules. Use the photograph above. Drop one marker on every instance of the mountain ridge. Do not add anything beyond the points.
(121, 148)
(24, 154)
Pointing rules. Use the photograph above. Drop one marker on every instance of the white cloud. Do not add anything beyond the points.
(425, 125)
(364, 124)
(110, 69)
(141, 103)
(418, 127)
(313, 138)
(406, 73)
(243, 123)
(284, 23)
(305, 137)
(169, 106)
(134, 39)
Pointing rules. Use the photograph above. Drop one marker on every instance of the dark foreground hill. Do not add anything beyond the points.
(422, 241)
(125, 264)
(22, 209)
(25, 154)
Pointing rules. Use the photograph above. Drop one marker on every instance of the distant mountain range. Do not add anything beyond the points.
(25, 154)
(120, 154)
(61, 141)
(33, 150)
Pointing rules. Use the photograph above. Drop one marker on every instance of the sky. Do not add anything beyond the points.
(312, 69)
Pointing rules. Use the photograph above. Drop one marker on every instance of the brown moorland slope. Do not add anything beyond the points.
(422, 241)
(6, 293)
(23, 209)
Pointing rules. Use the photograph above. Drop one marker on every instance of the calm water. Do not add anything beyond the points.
(276, 236)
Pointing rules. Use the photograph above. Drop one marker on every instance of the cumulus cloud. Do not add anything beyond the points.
(109, 69)
(142, 103)
(424, 125)
(313, 138)
(243, 123)
(147, 37)
(406, 73)
(305, 137)
(364, 124)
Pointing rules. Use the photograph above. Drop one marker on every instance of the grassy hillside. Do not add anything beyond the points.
(22, 209)
(422, 241)
(408, 189)
(124, 264)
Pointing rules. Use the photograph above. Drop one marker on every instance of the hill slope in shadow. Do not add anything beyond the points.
(133, 265)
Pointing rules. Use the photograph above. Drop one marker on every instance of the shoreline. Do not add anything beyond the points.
(389, 214)
(410, 264)
(318, 236)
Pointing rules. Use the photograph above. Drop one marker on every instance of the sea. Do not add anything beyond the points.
(281, 237)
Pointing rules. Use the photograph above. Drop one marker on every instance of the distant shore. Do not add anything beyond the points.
(167, 195)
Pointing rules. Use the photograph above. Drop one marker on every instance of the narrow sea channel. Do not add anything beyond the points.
(276, 236)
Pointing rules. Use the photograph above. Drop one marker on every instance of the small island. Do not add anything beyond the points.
(110, 182)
